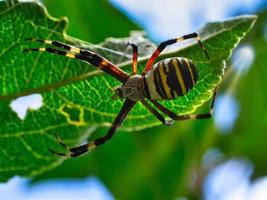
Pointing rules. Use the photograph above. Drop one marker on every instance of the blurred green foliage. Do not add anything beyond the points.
(162, 162)
(248, 137)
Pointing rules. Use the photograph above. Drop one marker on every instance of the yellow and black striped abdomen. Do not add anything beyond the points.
(170, 78)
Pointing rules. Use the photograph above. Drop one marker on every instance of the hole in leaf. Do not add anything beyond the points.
(24, 104)
(73, 113)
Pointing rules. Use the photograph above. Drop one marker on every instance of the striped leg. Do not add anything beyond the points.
(135, 54)
(157, 114)
(56, 44)
(174, 116)
(163, 45)
(84, 55)
(79, 150)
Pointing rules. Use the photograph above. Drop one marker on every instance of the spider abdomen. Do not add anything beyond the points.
(170, 78)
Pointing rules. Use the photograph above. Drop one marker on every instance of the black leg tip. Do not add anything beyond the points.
(61, 142)
(207, 55)
(57, 153)
(32, 39)
(63, 145)
(27, 50)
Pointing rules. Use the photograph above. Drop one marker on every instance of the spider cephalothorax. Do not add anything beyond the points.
(168, 79)
(133, 89)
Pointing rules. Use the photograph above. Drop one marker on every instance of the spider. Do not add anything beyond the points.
(166, 80)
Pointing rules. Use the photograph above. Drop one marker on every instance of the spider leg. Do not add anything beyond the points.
(157, 114)
(62, 144)
(79, 150)
(135, 55)
(174, 116)
(56, 44)
(84, 55)
(164, 44)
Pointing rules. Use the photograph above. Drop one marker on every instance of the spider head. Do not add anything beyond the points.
(132, 89)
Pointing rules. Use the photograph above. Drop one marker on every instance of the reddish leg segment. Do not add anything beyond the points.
(163, 45)
(135, 54)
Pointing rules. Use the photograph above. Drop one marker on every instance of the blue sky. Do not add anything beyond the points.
(163, 19)
(67, 189)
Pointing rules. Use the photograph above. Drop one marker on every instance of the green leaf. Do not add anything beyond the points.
(75, 96)
(91, 20)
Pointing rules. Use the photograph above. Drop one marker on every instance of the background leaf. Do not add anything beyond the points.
(96, 20)
(247, 139)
